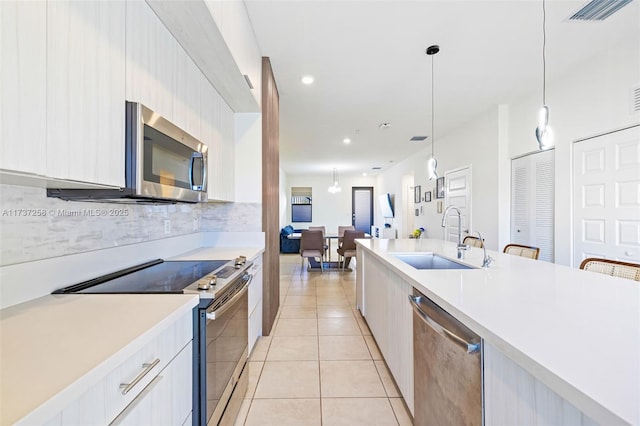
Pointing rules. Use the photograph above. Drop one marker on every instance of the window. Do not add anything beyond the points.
(301, 205)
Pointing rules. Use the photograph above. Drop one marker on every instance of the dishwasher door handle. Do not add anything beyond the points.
(470, 347)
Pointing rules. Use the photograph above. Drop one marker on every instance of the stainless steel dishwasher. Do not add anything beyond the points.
(447, 365)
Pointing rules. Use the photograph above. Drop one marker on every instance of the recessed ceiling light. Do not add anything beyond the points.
(346, 141)
(307, 79)
(364, 173)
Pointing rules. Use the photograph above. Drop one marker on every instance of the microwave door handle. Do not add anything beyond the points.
(193, 158)
(204, 173)
(195, 155)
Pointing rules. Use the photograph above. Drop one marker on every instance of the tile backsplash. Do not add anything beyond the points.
(34, 227)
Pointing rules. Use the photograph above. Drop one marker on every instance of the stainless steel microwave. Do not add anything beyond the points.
(163, 163)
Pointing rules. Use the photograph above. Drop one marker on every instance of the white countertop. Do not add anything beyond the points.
(55, 347)
(219, 253)
(576, 331)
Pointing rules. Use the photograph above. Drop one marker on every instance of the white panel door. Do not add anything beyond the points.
(457, 184)
(606, 197)
(532, 195)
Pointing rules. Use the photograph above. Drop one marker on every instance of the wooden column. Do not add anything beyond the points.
(270, 192)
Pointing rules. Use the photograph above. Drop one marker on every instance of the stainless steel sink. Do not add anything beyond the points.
(429, 261)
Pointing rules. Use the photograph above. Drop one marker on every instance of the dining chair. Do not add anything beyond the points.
(312, 245)
(472, 241)
(348, 248)
(324, 233)
(341, 230)
(615, 268)
(523, 251)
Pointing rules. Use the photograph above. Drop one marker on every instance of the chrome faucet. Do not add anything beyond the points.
(461, 247)
(486, 260)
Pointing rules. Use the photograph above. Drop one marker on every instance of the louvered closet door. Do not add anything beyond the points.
(606, 194)
(532, 193)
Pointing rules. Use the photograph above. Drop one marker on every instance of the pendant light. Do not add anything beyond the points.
(432, 163)
(335, 187)
(544, 133)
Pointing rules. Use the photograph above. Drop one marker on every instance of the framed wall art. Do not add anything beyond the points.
(427, 197)
(417, 194)
(440, 187)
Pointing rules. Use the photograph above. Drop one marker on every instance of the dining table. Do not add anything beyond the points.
(328, 264)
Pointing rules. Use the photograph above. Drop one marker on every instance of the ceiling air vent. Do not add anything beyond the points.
(376, 168)
(635, 99)
(599, 10)
(418, 138)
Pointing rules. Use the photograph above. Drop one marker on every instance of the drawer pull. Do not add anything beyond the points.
(126, 387)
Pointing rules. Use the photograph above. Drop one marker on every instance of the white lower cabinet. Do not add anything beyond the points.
(513, 396)
(255, 303)
(167, 399)
(389, 316)
(159, 376)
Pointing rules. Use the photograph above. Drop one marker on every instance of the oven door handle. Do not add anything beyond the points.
(222, 309)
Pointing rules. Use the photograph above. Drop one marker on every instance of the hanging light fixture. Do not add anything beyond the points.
(335, 187)
(432, 163)
(544, 134)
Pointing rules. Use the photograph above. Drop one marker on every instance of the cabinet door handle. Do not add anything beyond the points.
(147, 367)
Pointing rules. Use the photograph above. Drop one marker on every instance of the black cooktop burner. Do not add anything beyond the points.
(153, 277)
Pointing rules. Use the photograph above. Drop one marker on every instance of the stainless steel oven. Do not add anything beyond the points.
(220, 326)
(223, 344)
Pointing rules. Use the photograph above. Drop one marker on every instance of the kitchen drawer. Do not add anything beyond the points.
(167, 399)
(145, 365)
(104, 401)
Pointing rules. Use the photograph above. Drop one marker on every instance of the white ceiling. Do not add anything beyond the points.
(369, 63)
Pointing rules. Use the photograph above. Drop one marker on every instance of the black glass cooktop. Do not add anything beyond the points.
(157, 276)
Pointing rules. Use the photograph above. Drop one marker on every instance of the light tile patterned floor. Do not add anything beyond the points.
(320, 365)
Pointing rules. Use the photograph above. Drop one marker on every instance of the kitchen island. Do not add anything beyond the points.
(576, 333)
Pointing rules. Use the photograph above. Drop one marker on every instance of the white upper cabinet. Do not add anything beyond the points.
(235, 26)
(217, 132)
(23, 69)
(69, 66)
(160, 74)
(151, 60)
(85, 75)
(217, 56)
(188, 85)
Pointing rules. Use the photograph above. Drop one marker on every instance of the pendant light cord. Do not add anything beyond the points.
(544, 59)
(433, 131)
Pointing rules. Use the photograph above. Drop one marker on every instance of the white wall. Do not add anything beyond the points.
(330, 210)
(248, 157)
(592, 98)
(283, 198)
(475, 144)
